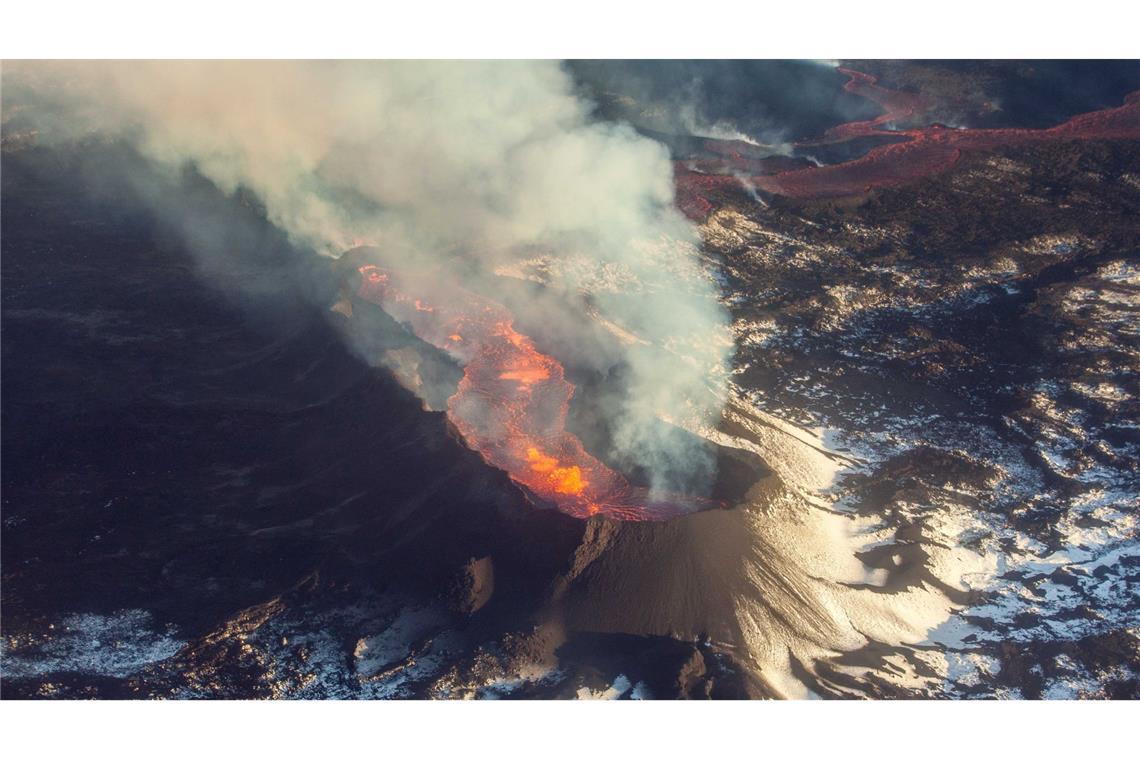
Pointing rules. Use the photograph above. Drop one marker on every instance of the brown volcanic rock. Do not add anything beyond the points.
(677, 578)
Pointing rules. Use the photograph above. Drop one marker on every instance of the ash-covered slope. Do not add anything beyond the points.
(683, 578)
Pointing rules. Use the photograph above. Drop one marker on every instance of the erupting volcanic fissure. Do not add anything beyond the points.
(512, 401)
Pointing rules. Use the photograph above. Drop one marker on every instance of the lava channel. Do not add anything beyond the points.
(512, 401)
(923, 151)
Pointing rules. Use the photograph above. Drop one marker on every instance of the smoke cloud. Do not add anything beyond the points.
(478, 169)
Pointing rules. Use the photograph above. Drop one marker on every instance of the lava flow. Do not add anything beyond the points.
(923, 150)
(512, 401)
(897, 107)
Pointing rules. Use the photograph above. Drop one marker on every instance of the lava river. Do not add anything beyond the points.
(512, 402)
(919, 152)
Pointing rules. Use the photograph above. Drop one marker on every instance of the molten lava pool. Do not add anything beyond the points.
(512, 402)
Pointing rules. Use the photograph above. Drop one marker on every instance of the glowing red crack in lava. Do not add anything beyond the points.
(512, 402)
(924, 150)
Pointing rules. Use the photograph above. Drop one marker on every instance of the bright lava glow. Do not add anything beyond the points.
(512, 402)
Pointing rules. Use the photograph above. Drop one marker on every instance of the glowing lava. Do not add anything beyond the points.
(512, 401)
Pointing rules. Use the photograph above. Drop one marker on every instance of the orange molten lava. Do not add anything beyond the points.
(512, 402)
(566, 480)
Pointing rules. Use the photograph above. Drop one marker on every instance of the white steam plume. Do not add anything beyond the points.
(480, 162)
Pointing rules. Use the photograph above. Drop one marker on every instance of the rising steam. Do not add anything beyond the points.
(470, 170)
